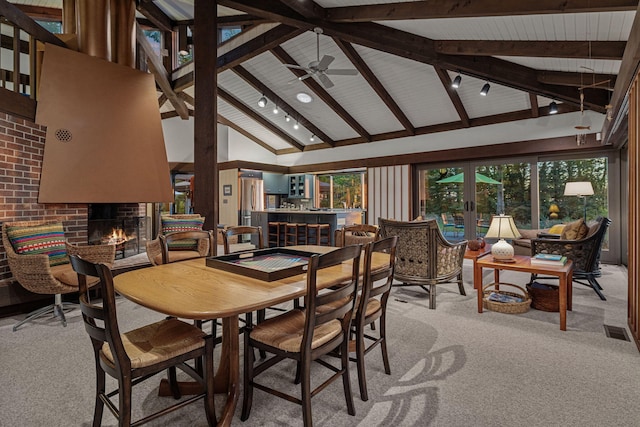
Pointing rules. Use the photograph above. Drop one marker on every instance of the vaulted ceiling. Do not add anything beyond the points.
(406, 55)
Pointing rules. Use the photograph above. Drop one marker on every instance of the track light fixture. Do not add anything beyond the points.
(456, 82)
(287, 118)
(275, 109)
(313, 138)
(296, 126)
(262, 102)
(553, 108)
(485, 89)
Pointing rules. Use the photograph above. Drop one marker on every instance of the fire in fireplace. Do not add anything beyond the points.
(118, 224)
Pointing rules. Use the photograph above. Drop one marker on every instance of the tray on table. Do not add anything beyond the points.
(263, 264)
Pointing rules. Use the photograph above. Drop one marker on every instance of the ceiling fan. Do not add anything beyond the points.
(320, 67)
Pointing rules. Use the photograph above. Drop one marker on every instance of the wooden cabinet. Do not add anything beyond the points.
(275, 183)
(301, 186)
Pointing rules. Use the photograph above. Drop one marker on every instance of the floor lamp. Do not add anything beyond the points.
(580, 189)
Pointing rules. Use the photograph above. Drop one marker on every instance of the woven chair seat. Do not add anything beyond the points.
(65, 274)
(285, 331)
(158, 342)
(372, 306)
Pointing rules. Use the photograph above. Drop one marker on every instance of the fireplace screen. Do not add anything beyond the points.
(128, 234)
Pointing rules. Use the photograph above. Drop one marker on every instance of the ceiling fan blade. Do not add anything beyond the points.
(343, 72)
(296, 67)
(324, 62)
(326, 81)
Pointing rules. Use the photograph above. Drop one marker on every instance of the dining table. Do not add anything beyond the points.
(192, 290)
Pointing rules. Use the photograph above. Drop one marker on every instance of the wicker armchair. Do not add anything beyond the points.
(585, 253)
(424, 256)
(35, 274)
(154, 247)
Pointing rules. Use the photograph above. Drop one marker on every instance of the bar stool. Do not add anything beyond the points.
(318, 234)
(274, 234)
(296, 234)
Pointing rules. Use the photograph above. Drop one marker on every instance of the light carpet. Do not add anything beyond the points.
(450, 367)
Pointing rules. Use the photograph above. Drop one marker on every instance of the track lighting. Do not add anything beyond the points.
(296, 126)
(456, 82)
(262, 102)
(553, 107)
(287, 118)
(485, 89)
(275, 109)
(313, 138)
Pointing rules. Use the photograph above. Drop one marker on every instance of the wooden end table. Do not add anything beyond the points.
(523, 264)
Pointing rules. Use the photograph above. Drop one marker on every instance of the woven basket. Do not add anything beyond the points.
(506, 307)
(544, 299)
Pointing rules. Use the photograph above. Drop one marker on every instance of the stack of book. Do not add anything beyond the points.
(549, 259)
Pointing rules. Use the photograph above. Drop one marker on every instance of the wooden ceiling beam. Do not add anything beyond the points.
(533, 100)
(244, 52)
(307, 8)
(162, 77)
(377, 86)
(453, 96)
(239, 105)
(320, 91)
(576, 79)
(462, 9)
(154, 14)
(281, 103)
(611, 50)
(41, 13)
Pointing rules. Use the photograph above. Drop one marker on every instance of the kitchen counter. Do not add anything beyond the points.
(336, 218)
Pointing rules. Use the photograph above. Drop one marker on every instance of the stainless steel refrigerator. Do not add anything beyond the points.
(251, 194)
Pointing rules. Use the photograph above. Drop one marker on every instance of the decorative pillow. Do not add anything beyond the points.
(47, 239)
(574, 230)
(172, 225)
(556, 229)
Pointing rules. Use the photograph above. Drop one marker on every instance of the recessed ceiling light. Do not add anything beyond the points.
(304, 97)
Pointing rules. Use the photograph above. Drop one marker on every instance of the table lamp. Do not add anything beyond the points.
(580, 189)
(502, 227)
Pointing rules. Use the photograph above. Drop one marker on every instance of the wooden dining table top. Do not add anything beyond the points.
(192, 290)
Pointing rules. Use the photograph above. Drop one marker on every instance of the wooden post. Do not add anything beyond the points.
(205, 123)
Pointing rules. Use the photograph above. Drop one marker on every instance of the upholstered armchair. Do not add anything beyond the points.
(38, 257)
(423, 256)
(584, 252)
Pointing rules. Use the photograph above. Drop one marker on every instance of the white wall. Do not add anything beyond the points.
(178, 139)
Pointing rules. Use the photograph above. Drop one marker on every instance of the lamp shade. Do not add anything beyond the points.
(580, 188)
(502, 227)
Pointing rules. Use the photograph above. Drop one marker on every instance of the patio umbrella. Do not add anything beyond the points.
(460, 178)
(482, 179)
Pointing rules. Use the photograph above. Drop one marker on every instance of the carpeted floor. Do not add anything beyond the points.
(450, 367)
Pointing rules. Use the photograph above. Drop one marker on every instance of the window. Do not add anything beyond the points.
(54, 27)
(228, 32)
(341, 190)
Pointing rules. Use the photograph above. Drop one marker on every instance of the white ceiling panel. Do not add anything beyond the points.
(500, 99)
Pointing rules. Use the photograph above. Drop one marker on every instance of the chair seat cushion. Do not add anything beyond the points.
(175, 256)
(65, 274)
(285, 331)
(158, 342)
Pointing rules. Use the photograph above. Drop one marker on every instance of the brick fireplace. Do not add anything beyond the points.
(123, 224)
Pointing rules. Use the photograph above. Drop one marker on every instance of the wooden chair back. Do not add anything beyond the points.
(255, 232)
(204, 239)
(359, 234)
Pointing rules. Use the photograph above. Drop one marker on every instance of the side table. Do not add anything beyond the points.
(523, 264)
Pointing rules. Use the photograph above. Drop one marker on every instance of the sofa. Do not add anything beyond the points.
(522, 246)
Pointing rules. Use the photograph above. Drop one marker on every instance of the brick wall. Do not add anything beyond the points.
(21, 152)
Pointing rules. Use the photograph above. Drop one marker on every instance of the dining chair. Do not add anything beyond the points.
(137, 355)
(254, 232)
(183, 245)
(305, 334)
(357, 234)
(372, 306)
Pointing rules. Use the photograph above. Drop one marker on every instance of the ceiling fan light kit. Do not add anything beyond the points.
(304, 97)
(320, 67)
